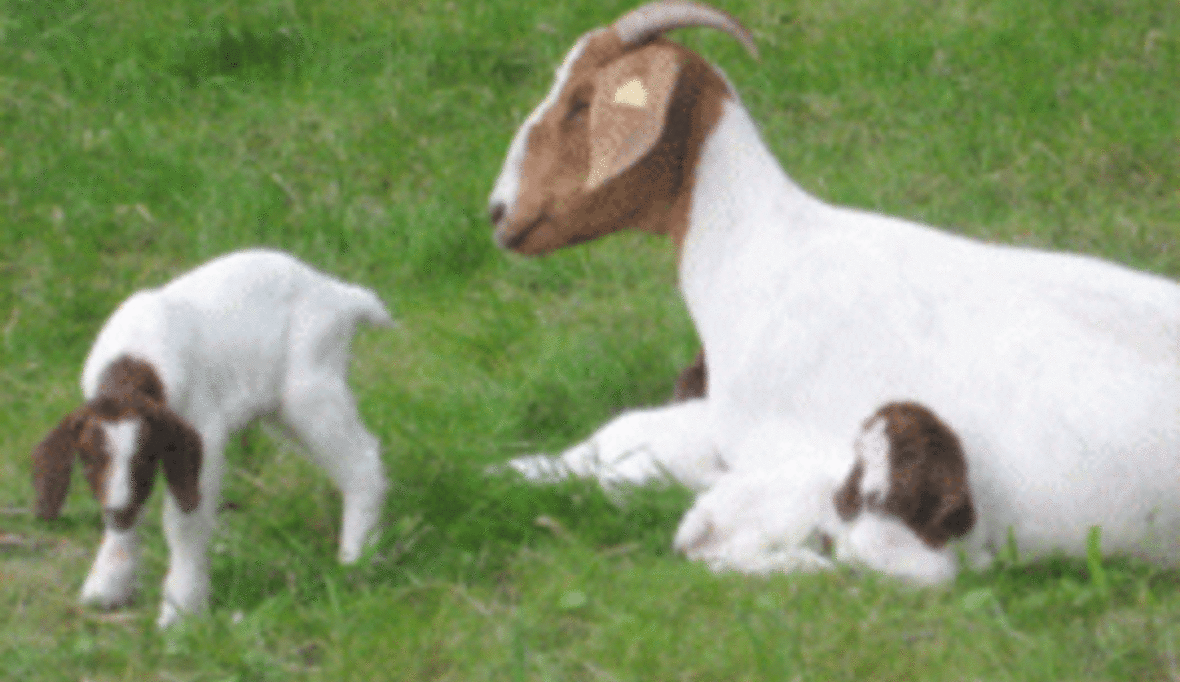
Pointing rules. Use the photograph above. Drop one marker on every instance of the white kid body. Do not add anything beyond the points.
(245, 335)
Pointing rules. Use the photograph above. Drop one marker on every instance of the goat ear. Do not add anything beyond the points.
(955, 514)
(631, 98)
(847, 498)
(178, 445)
(53, 462)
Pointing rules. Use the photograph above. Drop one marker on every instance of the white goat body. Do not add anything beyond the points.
(247, 334)
(1060, 373)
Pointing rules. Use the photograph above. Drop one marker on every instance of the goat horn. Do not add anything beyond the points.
(652, 19)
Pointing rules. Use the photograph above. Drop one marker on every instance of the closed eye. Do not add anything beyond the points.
(579, 99)
(577, 110)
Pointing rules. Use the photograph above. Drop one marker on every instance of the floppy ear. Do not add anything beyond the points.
(954, 514)
(53, 462)
(847, 498)
(630, 106)
(178, 445)
(928, 487)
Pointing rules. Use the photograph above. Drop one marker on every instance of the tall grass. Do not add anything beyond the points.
(138, 139)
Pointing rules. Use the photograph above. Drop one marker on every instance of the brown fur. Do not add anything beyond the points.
(129, 388)
(848, 498)
(693, 380)
(652, 193)
(928, 487)
(53, 460)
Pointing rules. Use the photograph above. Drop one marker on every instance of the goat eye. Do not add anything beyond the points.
(577, 110)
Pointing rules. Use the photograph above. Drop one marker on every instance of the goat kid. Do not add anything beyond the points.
(891, 502)
(1060, 372)
(173, 373)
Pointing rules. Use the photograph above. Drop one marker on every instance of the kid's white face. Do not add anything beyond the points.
(122, 443)
(872, 447)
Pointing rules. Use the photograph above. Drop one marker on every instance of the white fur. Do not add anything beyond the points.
(762, 519)
(122, 441)
(112, 580)
(629, 449)
(883, 543)
(1060, 372)
(247, 334)
(872, 446)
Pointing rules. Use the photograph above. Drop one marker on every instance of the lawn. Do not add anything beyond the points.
(139, 138)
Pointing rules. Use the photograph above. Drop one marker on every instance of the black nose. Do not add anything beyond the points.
(496, 212)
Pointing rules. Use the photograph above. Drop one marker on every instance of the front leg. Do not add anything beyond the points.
(763, 520)
(639, 446)
(186, 586)
(112, 579)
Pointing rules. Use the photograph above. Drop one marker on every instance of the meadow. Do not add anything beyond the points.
(139, 138)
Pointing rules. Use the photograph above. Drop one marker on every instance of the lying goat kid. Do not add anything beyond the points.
(891, 502)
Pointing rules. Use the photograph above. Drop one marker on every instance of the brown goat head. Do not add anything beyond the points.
(910, 465)
(615, 142)
(121, 435)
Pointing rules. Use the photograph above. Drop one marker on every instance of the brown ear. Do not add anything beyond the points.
(928, 487)
(630, 106)
(847, 498)
(178, 445)
(954, 513)
(53, 462)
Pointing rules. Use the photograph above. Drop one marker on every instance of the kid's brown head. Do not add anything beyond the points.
(121, 435)
(910, 465)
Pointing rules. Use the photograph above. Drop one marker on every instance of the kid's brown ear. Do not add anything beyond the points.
(954, 515)
(928, 488)
(847, 498)
(53, 462)
(630, 107)
(178, 446)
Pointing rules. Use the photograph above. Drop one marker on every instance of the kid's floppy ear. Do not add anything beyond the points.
(630, 106)
(847, 499)
(954, 514)
(178, 446)
(53, 462)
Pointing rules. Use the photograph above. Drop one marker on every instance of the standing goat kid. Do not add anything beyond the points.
(174, 372)
(1059, 372)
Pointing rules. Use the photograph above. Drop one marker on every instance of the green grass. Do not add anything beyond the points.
(139, 138)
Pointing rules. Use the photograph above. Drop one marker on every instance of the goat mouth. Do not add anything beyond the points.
(514, 241)
(122, 518)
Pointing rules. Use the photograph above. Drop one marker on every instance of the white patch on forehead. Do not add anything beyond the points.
(872, 446)
(122, 441)
(508, 183)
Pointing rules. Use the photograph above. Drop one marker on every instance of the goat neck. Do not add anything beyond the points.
(744, 209)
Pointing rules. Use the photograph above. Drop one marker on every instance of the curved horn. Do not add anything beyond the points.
(655, 18)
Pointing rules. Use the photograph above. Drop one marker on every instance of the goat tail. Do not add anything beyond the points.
(368, 306)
